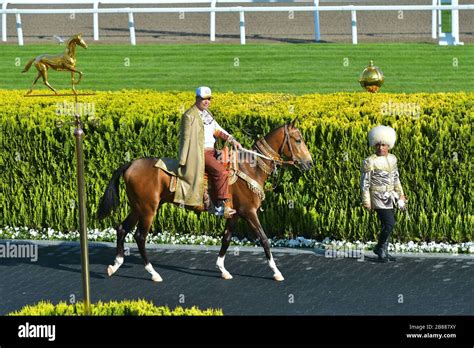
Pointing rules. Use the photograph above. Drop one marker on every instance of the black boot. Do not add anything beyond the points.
(388, 256)
(381, 252)
(387, 221)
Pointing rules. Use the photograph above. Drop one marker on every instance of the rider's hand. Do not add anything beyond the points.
(367, 206)
(236, 144)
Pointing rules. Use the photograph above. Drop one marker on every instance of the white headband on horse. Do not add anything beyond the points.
(382, 135)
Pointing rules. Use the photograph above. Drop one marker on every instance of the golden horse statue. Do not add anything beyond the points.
(60, 62)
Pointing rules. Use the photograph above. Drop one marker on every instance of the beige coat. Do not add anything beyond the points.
(190, 188)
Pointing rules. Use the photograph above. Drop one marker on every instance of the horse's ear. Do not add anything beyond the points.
(79, 35)
(293, 123)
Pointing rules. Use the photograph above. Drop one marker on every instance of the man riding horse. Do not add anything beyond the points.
(148, 187)
(197, 155)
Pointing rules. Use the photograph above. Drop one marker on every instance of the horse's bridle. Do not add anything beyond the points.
(263, 147)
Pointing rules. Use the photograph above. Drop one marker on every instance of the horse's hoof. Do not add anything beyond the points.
(156, 278)
(226, 276)
(110, 271)
(278, 277)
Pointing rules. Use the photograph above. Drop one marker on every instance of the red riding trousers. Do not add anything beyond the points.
(218, 175)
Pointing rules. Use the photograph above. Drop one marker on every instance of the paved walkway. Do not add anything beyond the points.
(314, 284)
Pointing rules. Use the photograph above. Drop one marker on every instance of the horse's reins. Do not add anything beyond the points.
(271, 154)
(268, 153)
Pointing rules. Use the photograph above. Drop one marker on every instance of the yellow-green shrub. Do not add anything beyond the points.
(434, 149)
(112, 308)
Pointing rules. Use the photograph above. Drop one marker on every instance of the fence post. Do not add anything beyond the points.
(354, 27)
(4, 22)
(131, 26)
(242, 28)
(96, 20)
(317, 32)
(213, 21)
(19, 30)
(455, 23)
(433, 20)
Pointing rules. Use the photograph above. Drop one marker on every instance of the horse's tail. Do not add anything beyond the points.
(28, 65)
(111, 198)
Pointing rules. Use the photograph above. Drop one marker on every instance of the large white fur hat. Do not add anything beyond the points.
(384, 135)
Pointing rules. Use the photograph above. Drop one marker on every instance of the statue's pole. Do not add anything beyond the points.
(78, 133)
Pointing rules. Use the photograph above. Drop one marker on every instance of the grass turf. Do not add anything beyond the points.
(288, 68)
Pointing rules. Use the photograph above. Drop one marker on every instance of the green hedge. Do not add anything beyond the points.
(434, 150)
(112, 308)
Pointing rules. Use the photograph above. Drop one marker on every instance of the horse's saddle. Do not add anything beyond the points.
(225, 156)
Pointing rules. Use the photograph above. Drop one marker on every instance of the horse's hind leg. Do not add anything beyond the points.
(43, 69)
(34, 82)
(122, 231)
(254, 223)
(225, 245)
(144, 225)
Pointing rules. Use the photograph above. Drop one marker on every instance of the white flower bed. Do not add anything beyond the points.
(109, 235)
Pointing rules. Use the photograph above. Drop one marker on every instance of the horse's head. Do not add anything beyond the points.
(78, 40)
(286, 141)
(294, 147)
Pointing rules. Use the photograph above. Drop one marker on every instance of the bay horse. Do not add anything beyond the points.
(148, 188)
(60, 62)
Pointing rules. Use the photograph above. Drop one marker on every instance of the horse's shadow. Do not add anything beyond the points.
(55, 257)
(135, 260)
(48, 258)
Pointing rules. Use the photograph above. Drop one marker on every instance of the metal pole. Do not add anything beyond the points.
(79, 133)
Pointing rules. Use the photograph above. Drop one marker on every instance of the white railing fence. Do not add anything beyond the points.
(213, 9)
(96, 3)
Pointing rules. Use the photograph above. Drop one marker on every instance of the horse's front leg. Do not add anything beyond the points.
(225, 245)
(253, 221)
(73, 82)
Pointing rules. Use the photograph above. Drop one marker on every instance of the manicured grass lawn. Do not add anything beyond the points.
(289, 68)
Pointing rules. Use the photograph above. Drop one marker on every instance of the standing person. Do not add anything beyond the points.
(381, 187)
(197, 155)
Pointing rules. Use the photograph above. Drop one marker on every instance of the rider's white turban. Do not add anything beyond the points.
(203, 92)
(382, 135)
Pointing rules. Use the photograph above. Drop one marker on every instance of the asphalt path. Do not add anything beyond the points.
(314, 284)
(374, 26)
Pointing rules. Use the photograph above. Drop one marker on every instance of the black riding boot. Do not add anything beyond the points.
(387, 219)
(381, 251)
(388, 256)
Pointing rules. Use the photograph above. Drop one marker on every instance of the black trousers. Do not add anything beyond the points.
(387, 219)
